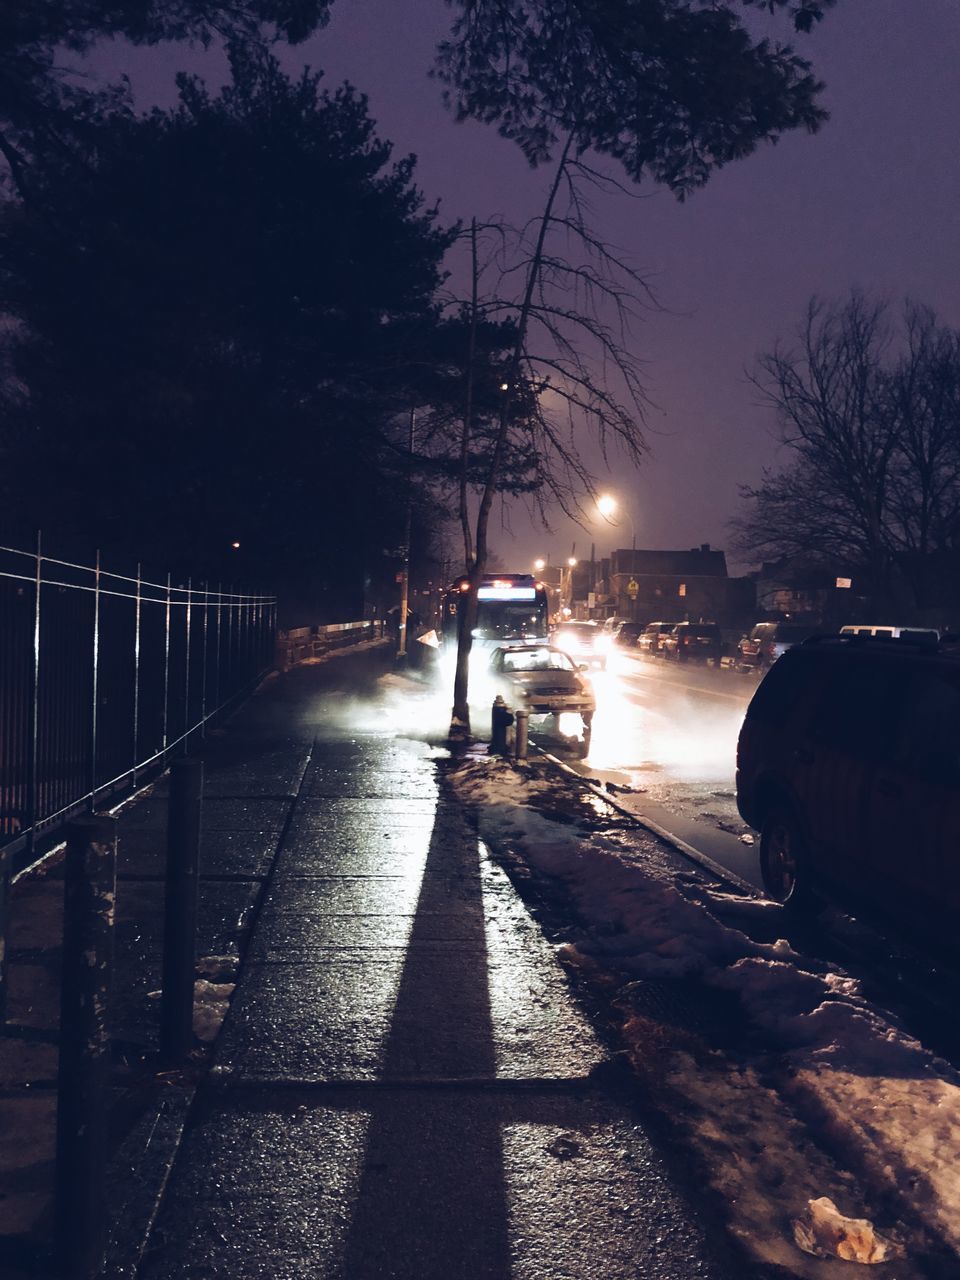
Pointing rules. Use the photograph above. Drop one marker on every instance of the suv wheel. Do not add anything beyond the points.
(783, 861)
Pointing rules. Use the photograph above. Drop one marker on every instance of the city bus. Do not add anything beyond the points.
(510, 606)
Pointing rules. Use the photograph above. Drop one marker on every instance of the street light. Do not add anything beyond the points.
(539, 565)
(608, 506)
(571, 565)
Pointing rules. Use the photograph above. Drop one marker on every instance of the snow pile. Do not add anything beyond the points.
(841, 1064)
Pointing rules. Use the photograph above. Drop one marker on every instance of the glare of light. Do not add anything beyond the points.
(235, 545)
(539, 565)
(571, 561)
(504, 386)
(607, 505)
(569, 724)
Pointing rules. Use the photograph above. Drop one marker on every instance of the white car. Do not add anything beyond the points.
(544, 680)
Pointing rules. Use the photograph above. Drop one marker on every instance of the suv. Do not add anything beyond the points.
(651, 637)
(848, 764)
(768, 641)
(693, 641)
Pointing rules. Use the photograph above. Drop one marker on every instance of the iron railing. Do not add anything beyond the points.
(104, 676)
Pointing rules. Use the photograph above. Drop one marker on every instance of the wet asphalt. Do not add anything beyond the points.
(406, 1084)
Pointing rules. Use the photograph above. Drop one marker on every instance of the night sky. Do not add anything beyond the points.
(871, 201)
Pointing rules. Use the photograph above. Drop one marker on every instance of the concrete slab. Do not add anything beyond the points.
(384, 1014)
(459, 1185)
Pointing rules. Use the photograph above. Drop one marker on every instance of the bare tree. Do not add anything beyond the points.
(667, 91)
(870, 414)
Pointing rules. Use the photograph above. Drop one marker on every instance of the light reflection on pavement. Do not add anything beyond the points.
(669, 734)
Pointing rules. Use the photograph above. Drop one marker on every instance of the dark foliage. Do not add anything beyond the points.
(670, 89)
(42, 106)
(215, 315)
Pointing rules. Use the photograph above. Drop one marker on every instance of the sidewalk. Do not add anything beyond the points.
(405, 1085)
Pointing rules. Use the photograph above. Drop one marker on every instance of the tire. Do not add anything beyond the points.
(784, 865)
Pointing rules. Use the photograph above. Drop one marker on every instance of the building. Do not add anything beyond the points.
(676, 586)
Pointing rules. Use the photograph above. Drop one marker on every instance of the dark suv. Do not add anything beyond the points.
(693, 641)
(768, 641)
(848, 764)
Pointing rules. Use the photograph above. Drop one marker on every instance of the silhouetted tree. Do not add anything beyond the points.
(43, 106)
(213, 308)
(870, 414)
(669, 91)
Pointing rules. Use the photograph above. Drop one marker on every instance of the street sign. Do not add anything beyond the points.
(633, 586)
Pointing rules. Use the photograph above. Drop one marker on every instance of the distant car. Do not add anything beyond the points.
(848, 764)
(545, 681)
(693, 642)
(583, 641)
(768, 641)
(627, 635)
(651, 637)
(889, 631)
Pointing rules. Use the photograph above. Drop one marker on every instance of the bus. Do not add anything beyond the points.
(510, 606)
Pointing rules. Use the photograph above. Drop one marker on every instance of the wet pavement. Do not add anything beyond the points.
(406, 1085)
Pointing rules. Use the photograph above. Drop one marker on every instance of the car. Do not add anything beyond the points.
(545, 681)
(651, 637)
(693, 642)
(848, 764)
(627, 635)
(889, 631)
(583, 641)
(768, 641)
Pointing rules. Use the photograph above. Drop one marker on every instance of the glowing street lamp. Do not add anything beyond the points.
(608, 506)
(539, 565)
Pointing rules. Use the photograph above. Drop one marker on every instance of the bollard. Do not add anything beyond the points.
(180, 910)
(83, 1075)
(520, 745)
(501, 718)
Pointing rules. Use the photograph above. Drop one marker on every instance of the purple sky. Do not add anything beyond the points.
(872, 201)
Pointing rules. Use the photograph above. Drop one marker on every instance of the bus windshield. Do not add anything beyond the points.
(510, 606)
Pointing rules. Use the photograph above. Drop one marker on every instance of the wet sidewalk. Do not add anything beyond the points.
(405, 1084)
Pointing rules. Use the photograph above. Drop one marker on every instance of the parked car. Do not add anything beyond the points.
(583, 641)
(651, 637)
(848, 764)
(627, 635)
(693, 642)
(768, 641)
(545, 681)
(889, 631)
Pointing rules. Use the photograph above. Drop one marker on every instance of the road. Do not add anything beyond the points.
(667, 734)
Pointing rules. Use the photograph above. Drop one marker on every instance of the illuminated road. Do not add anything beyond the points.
(668, 734)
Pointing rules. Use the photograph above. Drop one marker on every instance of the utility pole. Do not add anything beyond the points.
(405, 573)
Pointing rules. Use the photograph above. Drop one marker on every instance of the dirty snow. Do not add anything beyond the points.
(848, 1110)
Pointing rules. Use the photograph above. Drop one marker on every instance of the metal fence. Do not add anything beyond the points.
(104, 676)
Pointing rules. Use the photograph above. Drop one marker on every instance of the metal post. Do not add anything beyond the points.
(187, 726)
(82, 1079)
(33, 784)
(521, 739)
(408, 529)
(136, 673)
(166, 670)
(95, 682)
(180, 912)
(203, 683)
(6, 876)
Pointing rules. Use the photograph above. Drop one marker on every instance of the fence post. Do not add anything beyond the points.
(180, 911)
(95, 683)
(5, 880)
(83, 1078)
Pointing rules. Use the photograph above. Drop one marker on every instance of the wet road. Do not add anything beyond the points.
(668, 734)
(406, 1086)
